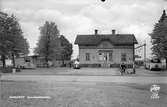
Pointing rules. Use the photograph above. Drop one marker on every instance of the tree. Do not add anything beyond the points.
(159, 37)
(48, 45)
(66, 49)
(162, 18)
(12, 41)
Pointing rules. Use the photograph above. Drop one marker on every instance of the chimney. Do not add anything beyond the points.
(96, 31)
(113, 32)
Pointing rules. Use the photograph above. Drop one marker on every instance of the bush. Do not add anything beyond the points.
(9, 70)
(90, 65)
(18, 69)
(6, 70)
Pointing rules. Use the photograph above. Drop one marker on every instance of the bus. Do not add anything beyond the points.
(154, 64)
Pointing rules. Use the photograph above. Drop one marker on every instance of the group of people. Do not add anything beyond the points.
(123, 69)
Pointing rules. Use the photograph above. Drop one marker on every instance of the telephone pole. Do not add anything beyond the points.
(143, 45)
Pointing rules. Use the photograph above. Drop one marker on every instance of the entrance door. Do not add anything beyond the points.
(106, 60)
(105, 57)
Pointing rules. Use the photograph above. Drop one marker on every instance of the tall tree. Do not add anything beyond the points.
(48, 45)
(3, 45)
(162, 18)
(159, 37)
(66, 49)
(12, 41)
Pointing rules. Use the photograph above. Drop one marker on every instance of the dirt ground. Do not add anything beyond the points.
(86, 87)
(79, 94)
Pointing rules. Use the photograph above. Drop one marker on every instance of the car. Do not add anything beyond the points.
(76, 65)
(154, 64)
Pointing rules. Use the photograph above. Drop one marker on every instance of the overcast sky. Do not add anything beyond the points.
(83, 16)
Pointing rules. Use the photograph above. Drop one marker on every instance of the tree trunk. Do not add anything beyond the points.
(3, 61)
(13, 59)
(166, 62)
(63, 62)
(62, 59)
(46, 60)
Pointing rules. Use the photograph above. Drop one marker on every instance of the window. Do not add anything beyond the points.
(87, 56)
(123, 57)
(27, 59)
(110, 56)
(100, 56)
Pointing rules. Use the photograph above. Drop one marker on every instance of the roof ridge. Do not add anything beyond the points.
(117, 38)
(109, 34)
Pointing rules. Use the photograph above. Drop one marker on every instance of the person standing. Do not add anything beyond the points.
(134, 68)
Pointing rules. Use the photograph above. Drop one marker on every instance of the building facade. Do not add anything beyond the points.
(106, 50)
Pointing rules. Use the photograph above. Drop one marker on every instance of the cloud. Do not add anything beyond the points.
(83, 16)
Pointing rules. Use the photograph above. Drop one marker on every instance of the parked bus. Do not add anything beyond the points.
(154, 64)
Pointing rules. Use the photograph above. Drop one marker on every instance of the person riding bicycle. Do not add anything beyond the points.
(123, 67)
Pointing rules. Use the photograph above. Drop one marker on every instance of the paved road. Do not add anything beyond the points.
(91, 79)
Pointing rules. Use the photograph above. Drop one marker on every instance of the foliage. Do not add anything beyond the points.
(51, 45)
(48, 45)
(66, 49)
(12, 41)
(159, 37)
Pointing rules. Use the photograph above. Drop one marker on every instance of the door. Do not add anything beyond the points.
(106, 59)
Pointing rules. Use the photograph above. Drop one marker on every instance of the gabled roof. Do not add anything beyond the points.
(117, 39)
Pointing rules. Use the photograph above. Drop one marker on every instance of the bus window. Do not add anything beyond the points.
(156, 60)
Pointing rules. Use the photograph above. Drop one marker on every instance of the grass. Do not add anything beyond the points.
(79, 94)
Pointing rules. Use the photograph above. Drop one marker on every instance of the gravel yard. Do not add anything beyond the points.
(79, 94)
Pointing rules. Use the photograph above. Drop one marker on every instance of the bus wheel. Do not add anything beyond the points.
(150, 69)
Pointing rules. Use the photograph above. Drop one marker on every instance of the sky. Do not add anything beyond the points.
(83, 16)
